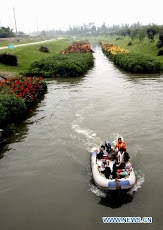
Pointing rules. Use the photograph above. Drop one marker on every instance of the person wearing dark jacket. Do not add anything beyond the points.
(101, 153)
(107, 170)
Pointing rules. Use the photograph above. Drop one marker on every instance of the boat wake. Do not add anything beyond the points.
(86, 137)
(97, 191)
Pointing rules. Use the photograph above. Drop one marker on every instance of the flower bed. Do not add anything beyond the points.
(131, 62)
(78, 47)
(27, 88)
(111, 49)
(17, 96)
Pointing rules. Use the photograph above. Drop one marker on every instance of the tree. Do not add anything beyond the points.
(141, 35)
(134, 34)
(160, 41)
(151, 33)
(6, 32)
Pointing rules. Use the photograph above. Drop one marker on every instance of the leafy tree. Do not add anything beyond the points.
(134, 34)
(151, 33)
(160, 41)
(6, 32)
(141, 35)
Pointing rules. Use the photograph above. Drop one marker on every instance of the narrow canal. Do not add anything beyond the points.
(45, 176)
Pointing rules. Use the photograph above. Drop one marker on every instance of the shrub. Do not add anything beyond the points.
(160, 41)
(3, 35)
(60, 65)
(151, 33)
(12, 109)
(159, 44)
(160, 52)
(119, 38)
(17, 96)
(137, 63)
(130, 44)
(44, 49)
(8, 59)
(27, 88)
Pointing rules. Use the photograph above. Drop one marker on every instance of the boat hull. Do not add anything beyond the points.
(110, 184)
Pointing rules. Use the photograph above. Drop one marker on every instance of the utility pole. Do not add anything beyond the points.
(37, 26)
(15, 21)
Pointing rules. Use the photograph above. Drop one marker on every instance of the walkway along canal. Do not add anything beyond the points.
(45, 178)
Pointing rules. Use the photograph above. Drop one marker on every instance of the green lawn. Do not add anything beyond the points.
(28, 54)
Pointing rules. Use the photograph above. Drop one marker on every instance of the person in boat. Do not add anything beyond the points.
(102, 154)
(127, 170)
(119, 163)
(107, 170)
(120, 158)
(100, 167)
(120, 144)
(109, 150)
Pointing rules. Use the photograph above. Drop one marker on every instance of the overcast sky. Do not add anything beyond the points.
(52, 14)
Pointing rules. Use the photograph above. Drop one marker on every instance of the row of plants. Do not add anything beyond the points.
(78, 47)
(74, 61)
(129, 61)
(17, 96)
(110, 49)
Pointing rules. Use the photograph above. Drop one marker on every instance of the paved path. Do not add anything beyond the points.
(28, 44)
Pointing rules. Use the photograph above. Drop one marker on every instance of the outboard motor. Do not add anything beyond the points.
(108, 146)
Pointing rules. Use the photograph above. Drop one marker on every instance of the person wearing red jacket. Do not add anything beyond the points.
(120, 144)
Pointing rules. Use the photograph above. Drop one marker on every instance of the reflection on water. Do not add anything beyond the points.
(116, 199)
(69, 82)
(21, 131)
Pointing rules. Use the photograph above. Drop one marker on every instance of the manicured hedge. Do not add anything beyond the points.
(8, 59)
(12, 109)
(61, 65)
(137, 63)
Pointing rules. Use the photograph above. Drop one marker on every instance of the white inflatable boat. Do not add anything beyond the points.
(110, 184)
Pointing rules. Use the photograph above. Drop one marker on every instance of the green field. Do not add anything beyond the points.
(28, 54)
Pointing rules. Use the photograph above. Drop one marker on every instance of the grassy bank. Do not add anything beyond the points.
(73, 61)
(145, 47)
(28, 54)
(131, 59)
